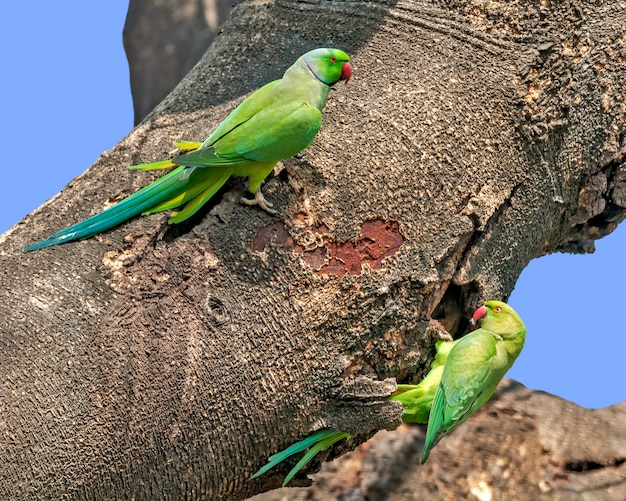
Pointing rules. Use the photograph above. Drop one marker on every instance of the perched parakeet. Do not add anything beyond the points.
(416, 401)
(473, 369)
(277, 121)
(469, 368)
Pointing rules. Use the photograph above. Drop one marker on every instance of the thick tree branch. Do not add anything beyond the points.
(520, 446)
(156, 362)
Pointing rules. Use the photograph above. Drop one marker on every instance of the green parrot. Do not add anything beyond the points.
(469, 369)
(277, 121)
(473, 369)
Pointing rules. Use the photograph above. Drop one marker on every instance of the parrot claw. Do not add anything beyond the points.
(444, 336)
(259, 200)
(438, 331)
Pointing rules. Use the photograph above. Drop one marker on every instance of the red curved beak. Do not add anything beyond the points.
(346, 71)
(479, 314)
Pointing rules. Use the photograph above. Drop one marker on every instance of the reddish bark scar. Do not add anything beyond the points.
(378, 239)
(274, 233)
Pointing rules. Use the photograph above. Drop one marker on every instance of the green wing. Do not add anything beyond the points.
(274, 133)
(465, 385)
(258, 100)
(468, 374)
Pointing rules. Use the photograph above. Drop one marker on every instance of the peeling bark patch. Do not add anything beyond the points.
(315, 258)
(274, 233)
(378, 239)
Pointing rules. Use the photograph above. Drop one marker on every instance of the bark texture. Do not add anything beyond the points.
(522, 445)
(156, 362)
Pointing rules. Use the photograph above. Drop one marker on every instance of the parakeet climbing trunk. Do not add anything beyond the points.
(153, 363)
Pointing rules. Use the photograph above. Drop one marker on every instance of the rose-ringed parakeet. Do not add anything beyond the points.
(473, 369)
(277, 121)
(469, 368)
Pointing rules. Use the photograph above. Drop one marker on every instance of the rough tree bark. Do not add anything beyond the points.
(155, 362)
(523, 445)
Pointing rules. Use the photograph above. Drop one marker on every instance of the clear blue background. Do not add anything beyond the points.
(65, 98)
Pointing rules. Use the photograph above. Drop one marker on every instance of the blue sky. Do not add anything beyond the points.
(65, 98)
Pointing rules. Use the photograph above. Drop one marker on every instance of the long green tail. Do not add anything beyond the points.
(316, 442)
(167, 192)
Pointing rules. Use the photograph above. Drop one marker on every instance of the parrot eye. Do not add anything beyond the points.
(497, 309)
(333, 59)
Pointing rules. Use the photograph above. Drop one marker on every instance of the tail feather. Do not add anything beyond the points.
(206, 182)
(187, 145)
(322, 445)
(161, 164)
(143, 200)
(199, 200)
(165, 164)
(316, 442)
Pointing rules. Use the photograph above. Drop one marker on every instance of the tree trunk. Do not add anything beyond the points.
(166, 362)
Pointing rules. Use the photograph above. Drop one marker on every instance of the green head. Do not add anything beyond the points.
(328, 65)
(499, 318)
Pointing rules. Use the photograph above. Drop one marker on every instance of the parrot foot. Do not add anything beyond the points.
(259, 200)
(438, 331)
